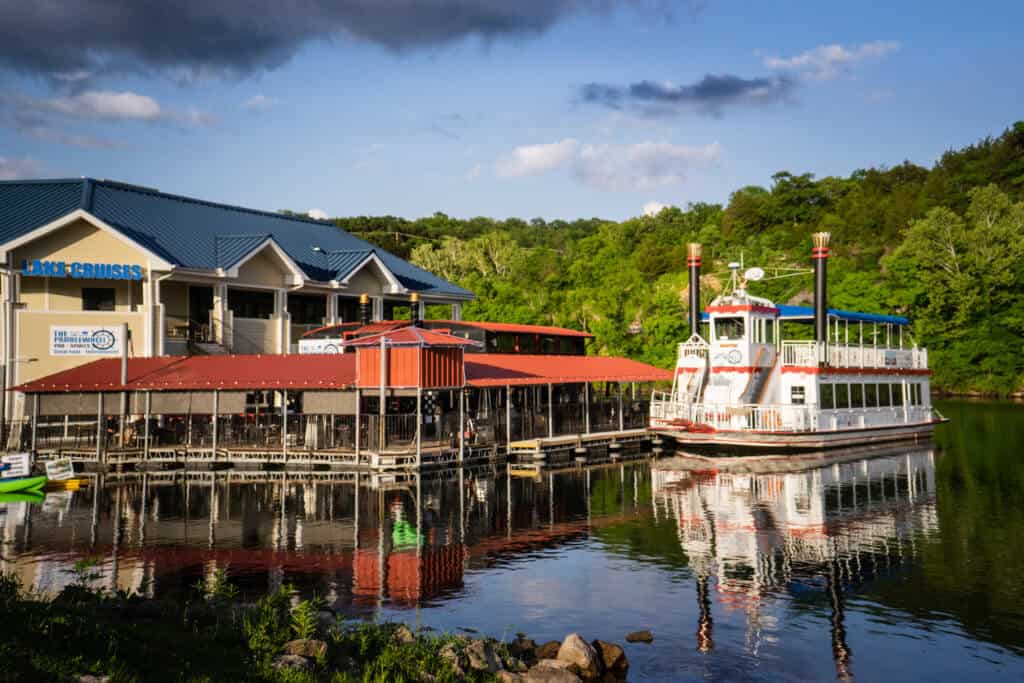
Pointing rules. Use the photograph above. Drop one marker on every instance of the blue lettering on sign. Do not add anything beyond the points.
(82, 271)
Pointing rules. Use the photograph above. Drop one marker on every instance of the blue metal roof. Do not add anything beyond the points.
(194, 233)
(806, 314)
(343, 262)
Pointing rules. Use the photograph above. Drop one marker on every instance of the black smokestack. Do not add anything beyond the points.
(414, 310)
(364, 309)
(819, 254)
(693, 263)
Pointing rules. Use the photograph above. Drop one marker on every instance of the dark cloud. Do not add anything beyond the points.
(71, 41)
(711, 95)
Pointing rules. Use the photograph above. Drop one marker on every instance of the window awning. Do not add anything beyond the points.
(805, 314)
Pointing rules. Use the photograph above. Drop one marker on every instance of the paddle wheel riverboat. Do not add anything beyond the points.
(744, 386)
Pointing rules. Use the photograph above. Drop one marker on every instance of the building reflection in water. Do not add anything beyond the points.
(368, 543)
(827, 529)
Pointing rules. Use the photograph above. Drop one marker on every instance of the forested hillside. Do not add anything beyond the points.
(943, 246)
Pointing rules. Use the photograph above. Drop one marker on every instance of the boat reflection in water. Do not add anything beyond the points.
(758, 530)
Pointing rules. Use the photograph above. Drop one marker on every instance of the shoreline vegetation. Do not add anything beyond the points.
(942, 245)
(90, 636)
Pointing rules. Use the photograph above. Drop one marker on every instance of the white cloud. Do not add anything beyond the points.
(260, 102)
(13, 169)
(317, 214)
(654, 208)
(534, 159)
(102, 104)
(612, 168)
(828, 62)
(474, 172)
(641, 166)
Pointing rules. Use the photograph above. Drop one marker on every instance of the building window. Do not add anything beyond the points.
(98, 298)
(348, 309)
(307, 310)
(250, 303)
(565, 345)
(729, 328)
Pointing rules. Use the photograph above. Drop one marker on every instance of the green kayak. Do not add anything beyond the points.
(16, 484)
(23, 497)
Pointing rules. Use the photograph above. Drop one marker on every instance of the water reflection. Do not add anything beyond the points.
(803, 574)
(830, 529)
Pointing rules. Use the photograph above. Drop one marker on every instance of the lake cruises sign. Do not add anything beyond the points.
(85, 340)
(82, 271)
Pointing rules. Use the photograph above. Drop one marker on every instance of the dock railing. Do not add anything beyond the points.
(814, 354)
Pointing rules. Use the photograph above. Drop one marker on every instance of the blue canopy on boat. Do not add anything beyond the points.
(806, 314)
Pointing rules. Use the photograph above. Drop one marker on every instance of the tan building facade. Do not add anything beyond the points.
(69, 287)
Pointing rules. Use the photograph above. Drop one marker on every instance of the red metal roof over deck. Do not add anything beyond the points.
(412, 336)
(499, 369)
(197, 373)
(327, 371)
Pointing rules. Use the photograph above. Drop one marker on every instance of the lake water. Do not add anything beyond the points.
(906, 566)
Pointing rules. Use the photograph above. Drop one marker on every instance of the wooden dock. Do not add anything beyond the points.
(578, 448)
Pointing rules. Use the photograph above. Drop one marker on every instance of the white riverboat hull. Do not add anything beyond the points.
(780, 441)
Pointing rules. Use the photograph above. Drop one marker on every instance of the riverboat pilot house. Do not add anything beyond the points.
(215, 308)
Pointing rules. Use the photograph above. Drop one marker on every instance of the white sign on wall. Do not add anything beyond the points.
(320, 346)
(85, 340)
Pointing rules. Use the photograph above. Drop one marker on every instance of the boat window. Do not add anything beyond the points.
(842, 396)
(897, 394)
(883, 396)
(856, 395)
(826, 397)
(871, 395)
(797, 396)
(729, 328)
(919, 394)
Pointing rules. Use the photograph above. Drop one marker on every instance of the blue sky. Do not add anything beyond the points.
(548, 108)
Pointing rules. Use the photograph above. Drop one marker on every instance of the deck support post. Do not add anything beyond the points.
(622, 418)
(284, 424)
(382, 429)
(213, 421)
(462, 424)
(359, 416)
(419, 432)
(508, 419)
(145, 428)
(35, 419)
(99, 426)
(551, 412)
(586, 407)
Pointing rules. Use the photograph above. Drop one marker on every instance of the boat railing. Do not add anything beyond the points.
(816, 354)
(738, 417)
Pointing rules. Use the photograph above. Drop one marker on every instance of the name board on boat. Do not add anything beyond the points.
(85, 340)
(82, 271)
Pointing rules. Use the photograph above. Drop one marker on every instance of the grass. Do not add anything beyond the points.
(209, 637)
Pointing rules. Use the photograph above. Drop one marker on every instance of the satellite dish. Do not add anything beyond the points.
(753, 274)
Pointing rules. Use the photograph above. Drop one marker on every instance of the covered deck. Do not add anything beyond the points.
(435, 406)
